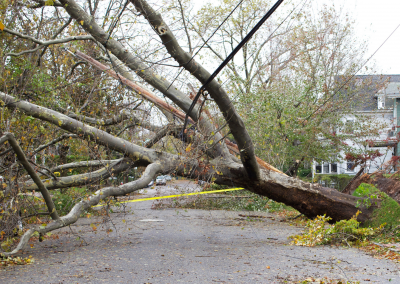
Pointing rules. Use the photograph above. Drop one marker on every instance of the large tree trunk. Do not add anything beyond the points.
(309, 199)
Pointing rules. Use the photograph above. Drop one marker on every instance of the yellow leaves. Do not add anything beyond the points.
(49, 3)
(10, 260)
(1, 26)
(57, 174)
(188, 148)
(60, 122)
(94, 228)
(81, 22)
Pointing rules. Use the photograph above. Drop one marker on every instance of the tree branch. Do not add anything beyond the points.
(111, 121)
(76, 211)
(84, 131)
(309, 199)
(184, 24)
(84, 164)
(42, 3)
(43, 43)
(25, 163)
(138, 89)
(143, 71)
(84, 179)
(54, 37)
(62, 137)
(216, 91)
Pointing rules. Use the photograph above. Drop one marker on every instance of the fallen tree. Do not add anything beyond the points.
(202, 152)
(309, 199)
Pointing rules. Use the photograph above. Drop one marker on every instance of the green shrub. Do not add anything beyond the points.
(319, 232)
(387, 213)
(370, 194)
(64, 200)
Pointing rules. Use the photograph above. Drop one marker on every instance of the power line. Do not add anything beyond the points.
(331, 97)
(230, 56)
(220, 25)
(227, 80)
(284, 20)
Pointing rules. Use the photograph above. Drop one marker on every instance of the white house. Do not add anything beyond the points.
(381, 102)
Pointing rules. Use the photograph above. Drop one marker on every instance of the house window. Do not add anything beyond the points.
(334, 168)
(381, 102)
(350, 166)
(349, 126)
(318, 168)
(326, 168)
(359, 82)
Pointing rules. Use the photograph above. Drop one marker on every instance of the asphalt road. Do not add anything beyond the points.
(141, 245)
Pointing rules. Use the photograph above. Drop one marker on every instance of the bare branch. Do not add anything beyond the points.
(42, 3)
(184, 24)
(84, 164)
(25, 163)
(216, 91)
(111, 121)
(73, 68)
(62, 137)
(84, 179)
(49, 175)
(85, 204)
(6, 151)
(121, 69)
(43, 43)
(142, 70)
(138, 89)
(53, 37)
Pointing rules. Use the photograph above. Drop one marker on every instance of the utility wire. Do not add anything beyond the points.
(220, 25)
(229, 79)
(230, 56)
(331, 97)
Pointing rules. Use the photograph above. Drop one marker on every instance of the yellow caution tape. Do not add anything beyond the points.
(176, 195)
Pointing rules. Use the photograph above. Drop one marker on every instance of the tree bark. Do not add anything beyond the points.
(309, 199)
(216, 91)
(146, 73)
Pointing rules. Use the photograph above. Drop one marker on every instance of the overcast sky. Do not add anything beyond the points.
(375, 21)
